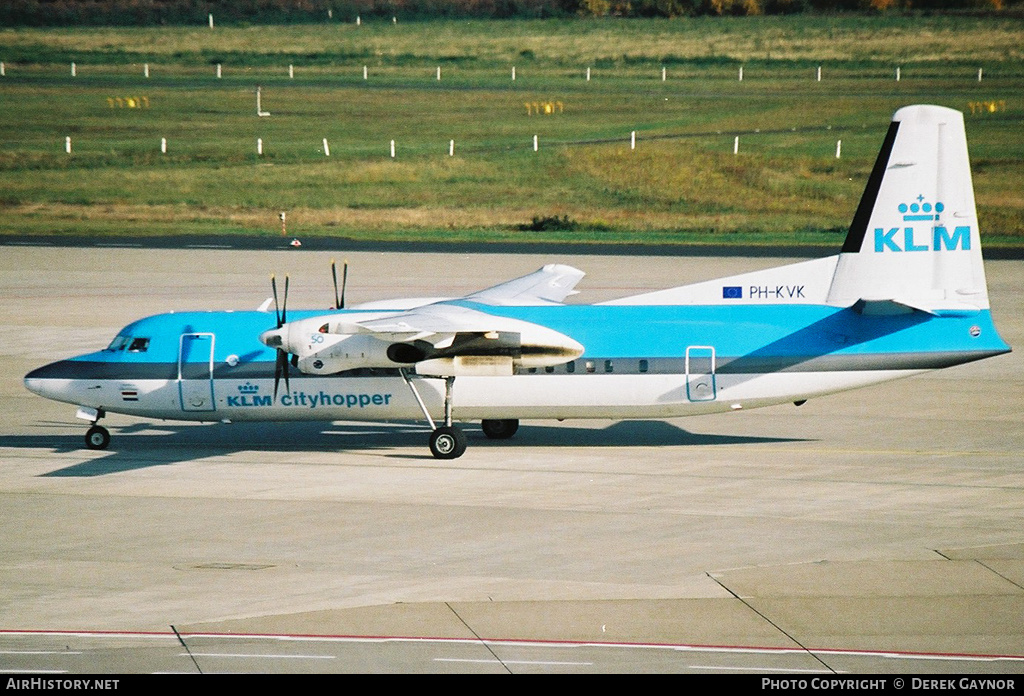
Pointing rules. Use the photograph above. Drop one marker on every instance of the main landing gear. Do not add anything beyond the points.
(500, 429)
(448, 441)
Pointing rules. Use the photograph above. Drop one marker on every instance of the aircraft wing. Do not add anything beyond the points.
(549, 285)
(445, 337)
(431, 319)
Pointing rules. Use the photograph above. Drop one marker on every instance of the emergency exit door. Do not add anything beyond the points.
(700, 373)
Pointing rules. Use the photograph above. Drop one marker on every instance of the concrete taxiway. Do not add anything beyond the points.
(880, 530)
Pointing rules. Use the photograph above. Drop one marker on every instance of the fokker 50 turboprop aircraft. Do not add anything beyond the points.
(906, 294)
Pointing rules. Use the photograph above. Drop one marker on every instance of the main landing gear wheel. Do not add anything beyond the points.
(500, 429)
(447, 442)
(97, 437)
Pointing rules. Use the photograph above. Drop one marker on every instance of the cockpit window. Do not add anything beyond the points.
(137, 344)
(119, 343)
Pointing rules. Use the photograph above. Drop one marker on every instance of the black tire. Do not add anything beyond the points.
(500, 429)
(97, 437)
(447, 443)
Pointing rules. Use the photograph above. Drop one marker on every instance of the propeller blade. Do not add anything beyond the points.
(344, 283)
(277, 308)
(281, 312)
(281, 370)
(339, 298)
(334, 276)
(284, 304)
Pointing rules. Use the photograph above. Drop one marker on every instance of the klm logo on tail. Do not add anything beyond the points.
(938, 238)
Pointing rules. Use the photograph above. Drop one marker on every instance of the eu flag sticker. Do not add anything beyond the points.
(732, 292)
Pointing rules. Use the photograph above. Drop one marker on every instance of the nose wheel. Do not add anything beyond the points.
(97, 438)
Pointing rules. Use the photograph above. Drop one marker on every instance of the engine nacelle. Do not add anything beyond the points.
(446, 341)
(350, 351)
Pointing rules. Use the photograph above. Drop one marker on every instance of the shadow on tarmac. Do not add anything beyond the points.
(145, 445)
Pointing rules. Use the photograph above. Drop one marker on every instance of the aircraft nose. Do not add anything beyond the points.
(47, 380)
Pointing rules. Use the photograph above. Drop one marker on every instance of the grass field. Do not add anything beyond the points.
(681, 184)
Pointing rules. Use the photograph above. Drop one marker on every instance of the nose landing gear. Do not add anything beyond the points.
(96, 437)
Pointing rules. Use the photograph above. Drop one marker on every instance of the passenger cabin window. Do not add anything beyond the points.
(644, 366)
(608, 367)
(139, 345)
(570, 367)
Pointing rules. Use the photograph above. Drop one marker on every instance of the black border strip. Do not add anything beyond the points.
(859, 226)
(747, 364)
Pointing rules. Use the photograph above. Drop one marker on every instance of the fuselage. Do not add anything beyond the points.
(643, 361)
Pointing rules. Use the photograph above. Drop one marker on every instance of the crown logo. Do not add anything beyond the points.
(248, 388)
(920, 210)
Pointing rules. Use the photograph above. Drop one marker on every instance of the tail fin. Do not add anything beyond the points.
(914, 240)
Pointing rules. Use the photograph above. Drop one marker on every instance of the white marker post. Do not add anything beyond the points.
(451, 148)
(736, 145)
(259, 146)
(819, 73)
(74, 70)
(218, 71)
(145, 70)
(979, 74)
(259, 103)
(327, 149)
(3, 69)
(513, 73)
(163, 146)
(632, 140)
(741, 74)
(897, 73)
(536, 144)
(839, 149)
(439, 73)
(210, 19)
(392, 149)
(67, 144)
(291, 71)
(365, 73)
(664, 74)
(588, 74)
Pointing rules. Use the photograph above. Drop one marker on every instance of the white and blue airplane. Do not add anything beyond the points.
(906, 294)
